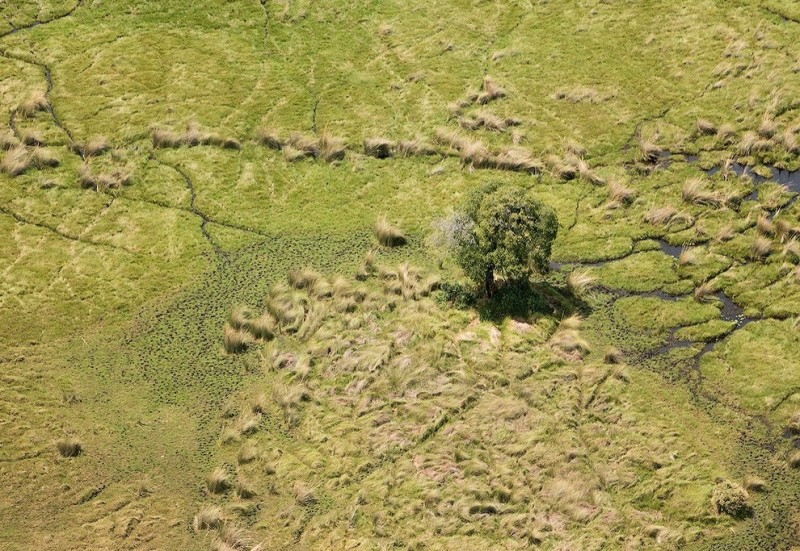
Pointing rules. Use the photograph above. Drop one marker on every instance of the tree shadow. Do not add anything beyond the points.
(515, 299)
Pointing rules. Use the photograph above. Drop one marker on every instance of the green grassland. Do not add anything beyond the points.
(613, 415)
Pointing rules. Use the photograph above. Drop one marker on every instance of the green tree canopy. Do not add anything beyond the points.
(502, 230)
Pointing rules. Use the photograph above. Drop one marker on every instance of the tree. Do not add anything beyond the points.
(500, 230)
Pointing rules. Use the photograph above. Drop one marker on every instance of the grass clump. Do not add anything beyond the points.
(235, 340)
(270, 138)
(244, 490)
(69, 446)
(705, 127)
(31, 137)
(218, 481)
(331, 148)
(491, 91)
(666, 216)
(377, 147)
(208, 518)
(387, 234)
(16, 161)
(760, 248)
(96, 146)
(579, 281)
(649, 151)
(247, 453)
(36, 102)
(693, 191)
(731, 499)
(415, 146)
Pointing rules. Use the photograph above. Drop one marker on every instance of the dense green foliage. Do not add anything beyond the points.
(508, 233)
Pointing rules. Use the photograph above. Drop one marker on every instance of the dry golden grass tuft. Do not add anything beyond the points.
(649, 150)
(752, 143)
(303, 278)
(416, 146)
(218, 481)
(101, 182)
(380, 148)
(764, 225)
(232, 538)
(705, 127)
(165, 138)
(36, 102)
(693, 191)
(754, 483)
(726, 233)
(760, 248)
(580, 94)
(488, 121)
(16, 161)
(491, 91)
(208, 518)
(768, 128)
(620, 193)
(665, 216)
(8, 140)
(687, 257)
(387, 234)
(703, 290)
(69, 446)
(304, 495)
(96, 146)
(191, 137)
(270, 138)
(307, 146)
(515, 159)
(791, 249)
(244, 490)
(31, 137)
(236, 340)
(613, 355)
(331, 148)
(579, 281)
(726, 134)
(45, 158)
(247, 453)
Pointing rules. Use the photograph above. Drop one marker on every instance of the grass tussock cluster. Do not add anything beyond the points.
(299, 146)
(580, 94)
(20, 159)
(760, 248)
(191, 137)
(488, 121)
(475, 155)
(387, 234)
(695, 191)
(104, 181)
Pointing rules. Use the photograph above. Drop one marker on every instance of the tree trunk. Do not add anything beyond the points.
(490, 280)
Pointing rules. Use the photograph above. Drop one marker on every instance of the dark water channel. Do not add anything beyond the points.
(729, 311)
